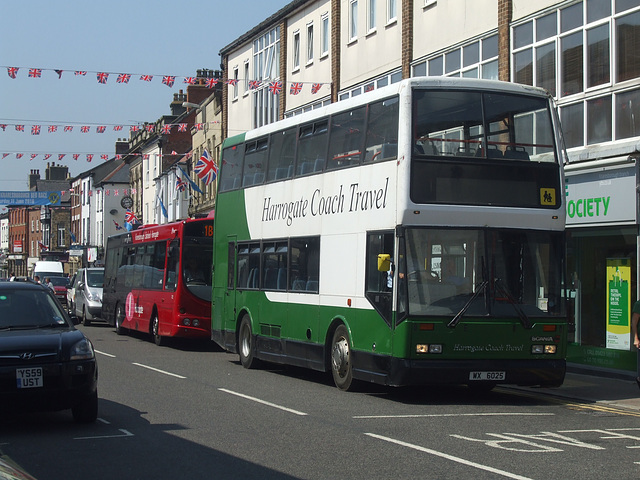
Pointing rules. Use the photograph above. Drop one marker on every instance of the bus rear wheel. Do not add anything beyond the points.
(245, 344)
(119, 317)
(341, 359)
(155, 329)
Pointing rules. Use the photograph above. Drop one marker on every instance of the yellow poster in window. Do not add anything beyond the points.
(618, 303)
(548, 196)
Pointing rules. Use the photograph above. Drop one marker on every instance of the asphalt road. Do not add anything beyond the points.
(191, 411)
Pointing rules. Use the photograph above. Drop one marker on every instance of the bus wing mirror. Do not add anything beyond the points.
(384, 262)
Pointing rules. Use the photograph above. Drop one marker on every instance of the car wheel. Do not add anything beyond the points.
(119, 317)
(245, 344)
(341, 367)
(155, 328)
(87, 410)
(85, 321)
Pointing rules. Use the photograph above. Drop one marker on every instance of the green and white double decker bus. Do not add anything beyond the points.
(410, 235)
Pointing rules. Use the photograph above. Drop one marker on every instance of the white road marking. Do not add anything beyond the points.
(125, 433)
(254, 399)
(496, 414)
(158, 370)
(449, 457)
(105, 354)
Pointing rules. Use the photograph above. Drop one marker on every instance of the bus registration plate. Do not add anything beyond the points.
(29, 377)
(493, 376)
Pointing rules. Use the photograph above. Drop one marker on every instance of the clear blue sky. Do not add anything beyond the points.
(158, 37)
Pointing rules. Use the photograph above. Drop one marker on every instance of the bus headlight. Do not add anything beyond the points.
(428, 348)
(546, 349)
(195, 322)
(186, 322)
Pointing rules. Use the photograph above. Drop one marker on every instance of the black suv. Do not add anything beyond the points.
(46, 364)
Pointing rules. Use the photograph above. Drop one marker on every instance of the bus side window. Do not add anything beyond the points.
(172, 265)
(379, 284)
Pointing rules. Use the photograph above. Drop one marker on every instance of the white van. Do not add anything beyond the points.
(44, 268)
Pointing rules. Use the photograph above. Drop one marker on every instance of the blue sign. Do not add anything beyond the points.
(30, 198)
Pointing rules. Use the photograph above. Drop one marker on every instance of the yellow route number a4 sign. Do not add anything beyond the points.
(547, 196)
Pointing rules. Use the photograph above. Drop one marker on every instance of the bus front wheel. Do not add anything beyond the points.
(245, 343)
(341, 359)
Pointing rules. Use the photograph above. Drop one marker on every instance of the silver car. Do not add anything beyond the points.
(88, 294)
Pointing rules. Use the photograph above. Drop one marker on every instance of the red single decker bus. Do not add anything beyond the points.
(157, 279)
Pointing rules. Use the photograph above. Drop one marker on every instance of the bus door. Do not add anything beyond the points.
(381, 273)
(229, 300)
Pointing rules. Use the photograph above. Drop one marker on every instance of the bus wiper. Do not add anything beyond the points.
(481, 288)
(526, 323)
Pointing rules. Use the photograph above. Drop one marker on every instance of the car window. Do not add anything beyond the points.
(29, 308)
(95, 278)
(58, 281)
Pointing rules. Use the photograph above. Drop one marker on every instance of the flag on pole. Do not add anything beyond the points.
(206, 168)
(193, 184)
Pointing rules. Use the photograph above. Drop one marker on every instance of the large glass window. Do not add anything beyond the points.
(312, 148)
(266, 67)
(506, 273)
(382, 131)
(255, 162)
(346, 138)
(628, 46)
(231, 168)
(282, 151)
(304, 265)
(274, 265)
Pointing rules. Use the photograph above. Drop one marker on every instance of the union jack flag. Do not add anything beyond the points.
(254, 84)
(59, 72)
(118, 226)
(206, 168)
(104, 156)
(5, 155)
(68, 128)
(35, 130)
(181, 185)
(190, 80)
(168, 80)
(275, 87)
(80, 72)
(89, 157)
(85, 128)
(33, 155)
(12, 71)
(19, 128)
(101, 129)
(316, 87)
(19, 155)
(134, 128)
(130, 217)
(232, 81)
(146, 78)
(3, 126)
(166, 129)
(296, 88)
(117, 128)
(211, 82)
(123, 78)
(47, 156)
(61, 156)
(102, 77)
(53, 128)
(75, 156)
(150, 127)
(182, 127)
(35, 72)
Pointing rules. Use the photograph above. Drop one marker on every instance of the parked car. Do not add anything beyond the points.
(46, 364)
(60, 285)
(88, 294)
(71, 294)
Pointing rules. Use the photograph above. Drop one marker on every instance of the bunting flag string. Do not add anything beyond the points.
(56, 127)
(89, 156)
(275, 87)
